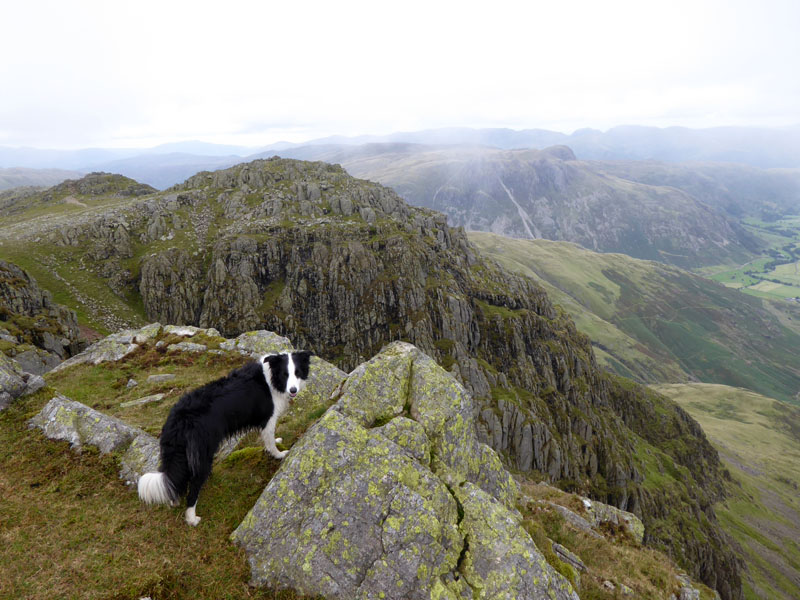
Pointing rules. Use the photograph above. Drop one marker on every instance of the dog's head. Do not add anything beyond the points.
(287, 372)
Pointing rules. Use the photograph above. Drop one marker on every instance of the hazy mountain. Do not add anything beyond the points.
(760, 147)
(163, 170)
(756, 146)
(22, 177)
(739, 190)
(548, 194)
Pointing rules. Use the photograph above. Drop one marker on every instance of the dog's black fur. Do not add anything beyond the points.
(203, 418)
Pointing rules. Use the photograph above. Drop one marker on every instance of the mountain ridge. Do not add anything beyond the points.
(344, 266)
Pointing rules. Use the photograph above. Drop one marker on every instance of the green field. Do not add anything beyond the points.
(758, 439)
(776, 276)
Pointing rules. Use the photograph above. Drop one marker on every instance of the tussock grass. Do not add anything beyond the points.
(616, 557)
(70, 528)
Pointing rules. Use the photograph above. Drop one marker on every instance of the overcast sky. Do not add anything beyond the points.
(139, 73)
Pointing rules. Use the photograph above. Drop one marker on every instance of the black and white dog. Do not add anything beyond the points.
(252, 396)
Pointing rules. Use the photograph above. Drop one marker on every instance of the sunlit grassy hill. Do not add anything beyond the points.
(657, 323)
(758, 439)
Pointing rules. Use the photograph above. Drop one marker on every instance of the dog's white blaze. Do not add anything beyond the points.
(293, 381)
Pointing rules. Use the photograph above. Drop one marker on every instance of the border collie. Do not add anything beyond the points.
(252, 396)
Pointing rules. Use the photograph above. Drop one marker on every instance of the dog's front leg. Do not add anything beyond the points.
(268, 437)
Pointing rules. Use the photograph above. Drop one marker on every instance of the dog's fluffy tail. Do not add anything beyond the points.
(156, 488)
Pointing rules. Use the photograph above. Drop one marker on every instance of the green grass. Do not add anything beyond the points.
(615, 557)
(759, 441)
(656, 323)
(70, 528)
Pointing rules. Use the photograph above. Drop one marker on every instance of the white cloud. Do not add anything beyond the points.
(107, 73)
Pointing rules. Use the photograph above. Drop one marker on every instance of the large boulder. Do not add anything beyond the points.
(391, 495)
(80, 425)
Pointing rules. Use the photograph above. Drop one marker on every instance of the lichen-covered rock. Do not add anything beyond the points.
(501, 560)
(349, 516)
(258, 343)
(113, 347)
(80, 425)
(109, 349)
(359, 509)
(189, 330)
(186, 347)
(599, 513)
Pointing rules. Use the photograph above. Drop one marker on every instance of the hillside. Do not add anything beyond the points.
(737, 190)
(759, 441)
(344, 266)
(657, 323)
(138, 551)
(549, 194)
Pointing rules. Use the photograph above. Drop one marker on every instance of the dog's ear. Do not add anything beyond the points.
(302, 359)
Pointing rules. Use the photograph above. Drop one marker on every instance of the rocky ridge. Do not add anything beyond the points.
(550, 194)
(36, 334)
(344, 266)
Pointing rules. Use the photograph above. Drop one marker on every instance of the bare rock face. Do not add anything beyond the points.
(15, 382)
(33, 321)
(390, 494)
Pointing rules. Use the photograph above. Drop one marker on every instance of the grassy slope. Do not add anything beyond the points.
(759, 440)
(658, 323)
(70, 528)
(58, 268)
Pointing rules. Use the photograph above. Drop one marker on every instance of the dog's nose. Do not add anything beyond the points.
(293, 390)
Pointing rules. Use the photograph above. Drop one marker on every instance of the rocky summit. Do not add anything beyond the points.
(343, 267)
(391, 495)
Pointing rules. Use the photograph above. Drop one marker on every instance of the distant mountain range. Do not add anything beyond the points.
(549, 194)
(22, 177)
(758, 147)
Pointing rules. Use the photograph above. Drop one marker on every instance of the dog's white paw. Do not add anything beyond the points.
(278, 440)
(191, 518)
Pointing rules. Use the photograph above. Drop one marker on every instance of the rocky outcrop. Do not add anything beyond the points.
(30, 318)
(14, 382)
(390, 494)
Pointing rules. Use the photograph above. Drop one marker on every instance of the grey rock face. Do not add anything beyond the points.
(36, 361)
(12, 381)
(359, 509)
(55, 329)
